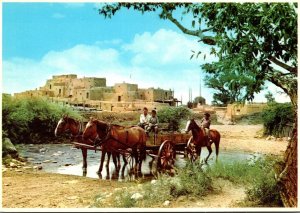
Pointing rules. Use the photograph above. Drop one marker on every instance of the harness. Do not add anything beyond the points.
(80, 131)
(99, 141)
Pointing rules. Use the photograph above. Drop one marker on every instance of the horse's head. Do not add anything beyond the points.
(94, 128)
(191, 124)
(62, 125)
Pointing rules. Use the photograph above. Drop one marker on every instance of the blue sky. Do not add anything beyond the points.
(45, 39)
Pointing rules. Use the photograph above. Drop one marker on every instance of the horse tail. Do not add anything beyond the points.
(217, 143)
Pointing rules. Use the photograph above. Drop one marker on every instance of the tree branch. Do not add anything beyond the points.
(287, 84)
(198, 33)
(283, 65)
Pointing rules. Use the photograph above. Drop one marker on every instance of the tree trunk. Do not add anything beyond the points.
(288, 178)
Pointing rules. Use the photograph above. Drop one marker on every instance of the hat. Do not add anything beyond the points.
(207, 114)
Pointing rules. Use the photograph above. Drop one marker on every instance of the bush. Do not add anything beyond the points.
(31, 120)
(173, 116)
(276, 117)
(193, 181)
(121, 118)
(257, 175)
(253, 119)
(189, 181)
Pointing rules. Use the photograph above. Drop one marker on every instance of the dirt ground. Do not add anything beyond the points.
(27, 188)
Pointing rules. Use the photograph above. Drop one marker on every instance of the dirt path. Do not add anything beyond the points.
(37, 189)
(244, 138)
(32, 189)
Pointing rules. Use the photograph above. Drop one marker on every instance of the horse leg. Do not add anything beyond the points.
(108, 158)
(124, 159)
(101, 162)
(210, 151)
(119, 160)
(198, 150)
(115, 156)
(84, 163)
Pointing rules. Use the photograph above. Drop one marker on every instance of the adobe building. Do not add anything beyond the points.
(93, 92)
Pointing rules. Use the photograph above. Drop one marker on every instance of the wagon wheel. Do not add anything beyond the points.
(166, 156)
(191, 150)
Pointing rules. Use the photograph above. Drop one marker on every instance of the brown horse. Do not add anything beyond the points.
(115, 138)
(200, 138)
(75, 127)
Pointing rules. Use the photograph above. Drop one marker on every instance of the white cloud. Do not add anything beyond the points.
(164, 47)
(58, 16)
(161, 59)
(84, 60)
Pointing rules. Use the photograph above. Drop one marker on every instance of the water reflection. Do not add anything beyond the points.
(63, 159)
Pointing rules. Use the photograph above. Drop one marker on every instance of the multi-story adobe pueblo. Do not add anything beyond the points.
(93, 92)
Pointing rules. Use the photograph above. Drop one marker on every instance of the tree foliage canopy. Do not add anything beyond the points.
(256, 40)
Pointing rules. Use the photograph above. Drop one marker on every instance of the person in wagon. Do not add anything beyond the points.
(205, 123)
(153, 123)
(144, 118)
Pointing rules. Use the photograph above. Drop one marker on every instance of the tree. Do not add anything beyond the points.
(200, 100)
(258, 39)
(269, 96)
(229, 85)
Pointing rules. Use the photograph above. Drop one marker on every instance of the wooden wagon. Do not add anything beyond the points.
(162, 147)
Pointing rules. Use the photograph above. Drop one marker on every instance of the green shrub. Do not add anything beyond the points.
(173, 116)
(31, 120)
(253, 119)
(276, 117)
(256, 174)
(193, 181)
(189, 181)
(264, 191)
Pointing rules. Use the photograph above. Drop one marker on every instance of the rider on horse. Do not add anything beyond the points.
(205, 123)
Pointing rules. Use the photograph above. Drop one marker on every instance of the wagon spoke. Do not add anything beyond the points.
(166, 155)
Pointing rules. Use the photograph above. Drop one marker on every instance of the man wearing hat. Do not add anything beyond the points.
(205, 123)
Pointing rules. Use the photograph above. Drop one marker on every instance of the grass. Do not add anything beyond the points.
(257, 175)
(193, 181)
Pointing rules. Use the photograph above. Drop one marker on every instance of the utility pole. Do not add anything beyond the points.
(200, 86)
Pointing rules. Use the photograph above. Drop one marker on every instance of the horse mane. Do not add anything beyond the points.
(100, 124)
(71, 120)
(196, 125)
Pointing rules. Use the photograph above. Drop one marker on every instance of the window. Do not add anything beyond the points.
(50, 86)
(59, 91)
(87, 95)
(119, 98)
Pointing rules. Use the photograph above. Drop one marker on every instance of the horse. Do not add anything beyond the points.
(76, 128)
(116, 138)
(200, 139)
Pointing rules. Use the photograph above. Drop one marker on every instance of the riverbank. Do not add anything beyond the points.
(33, 188)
